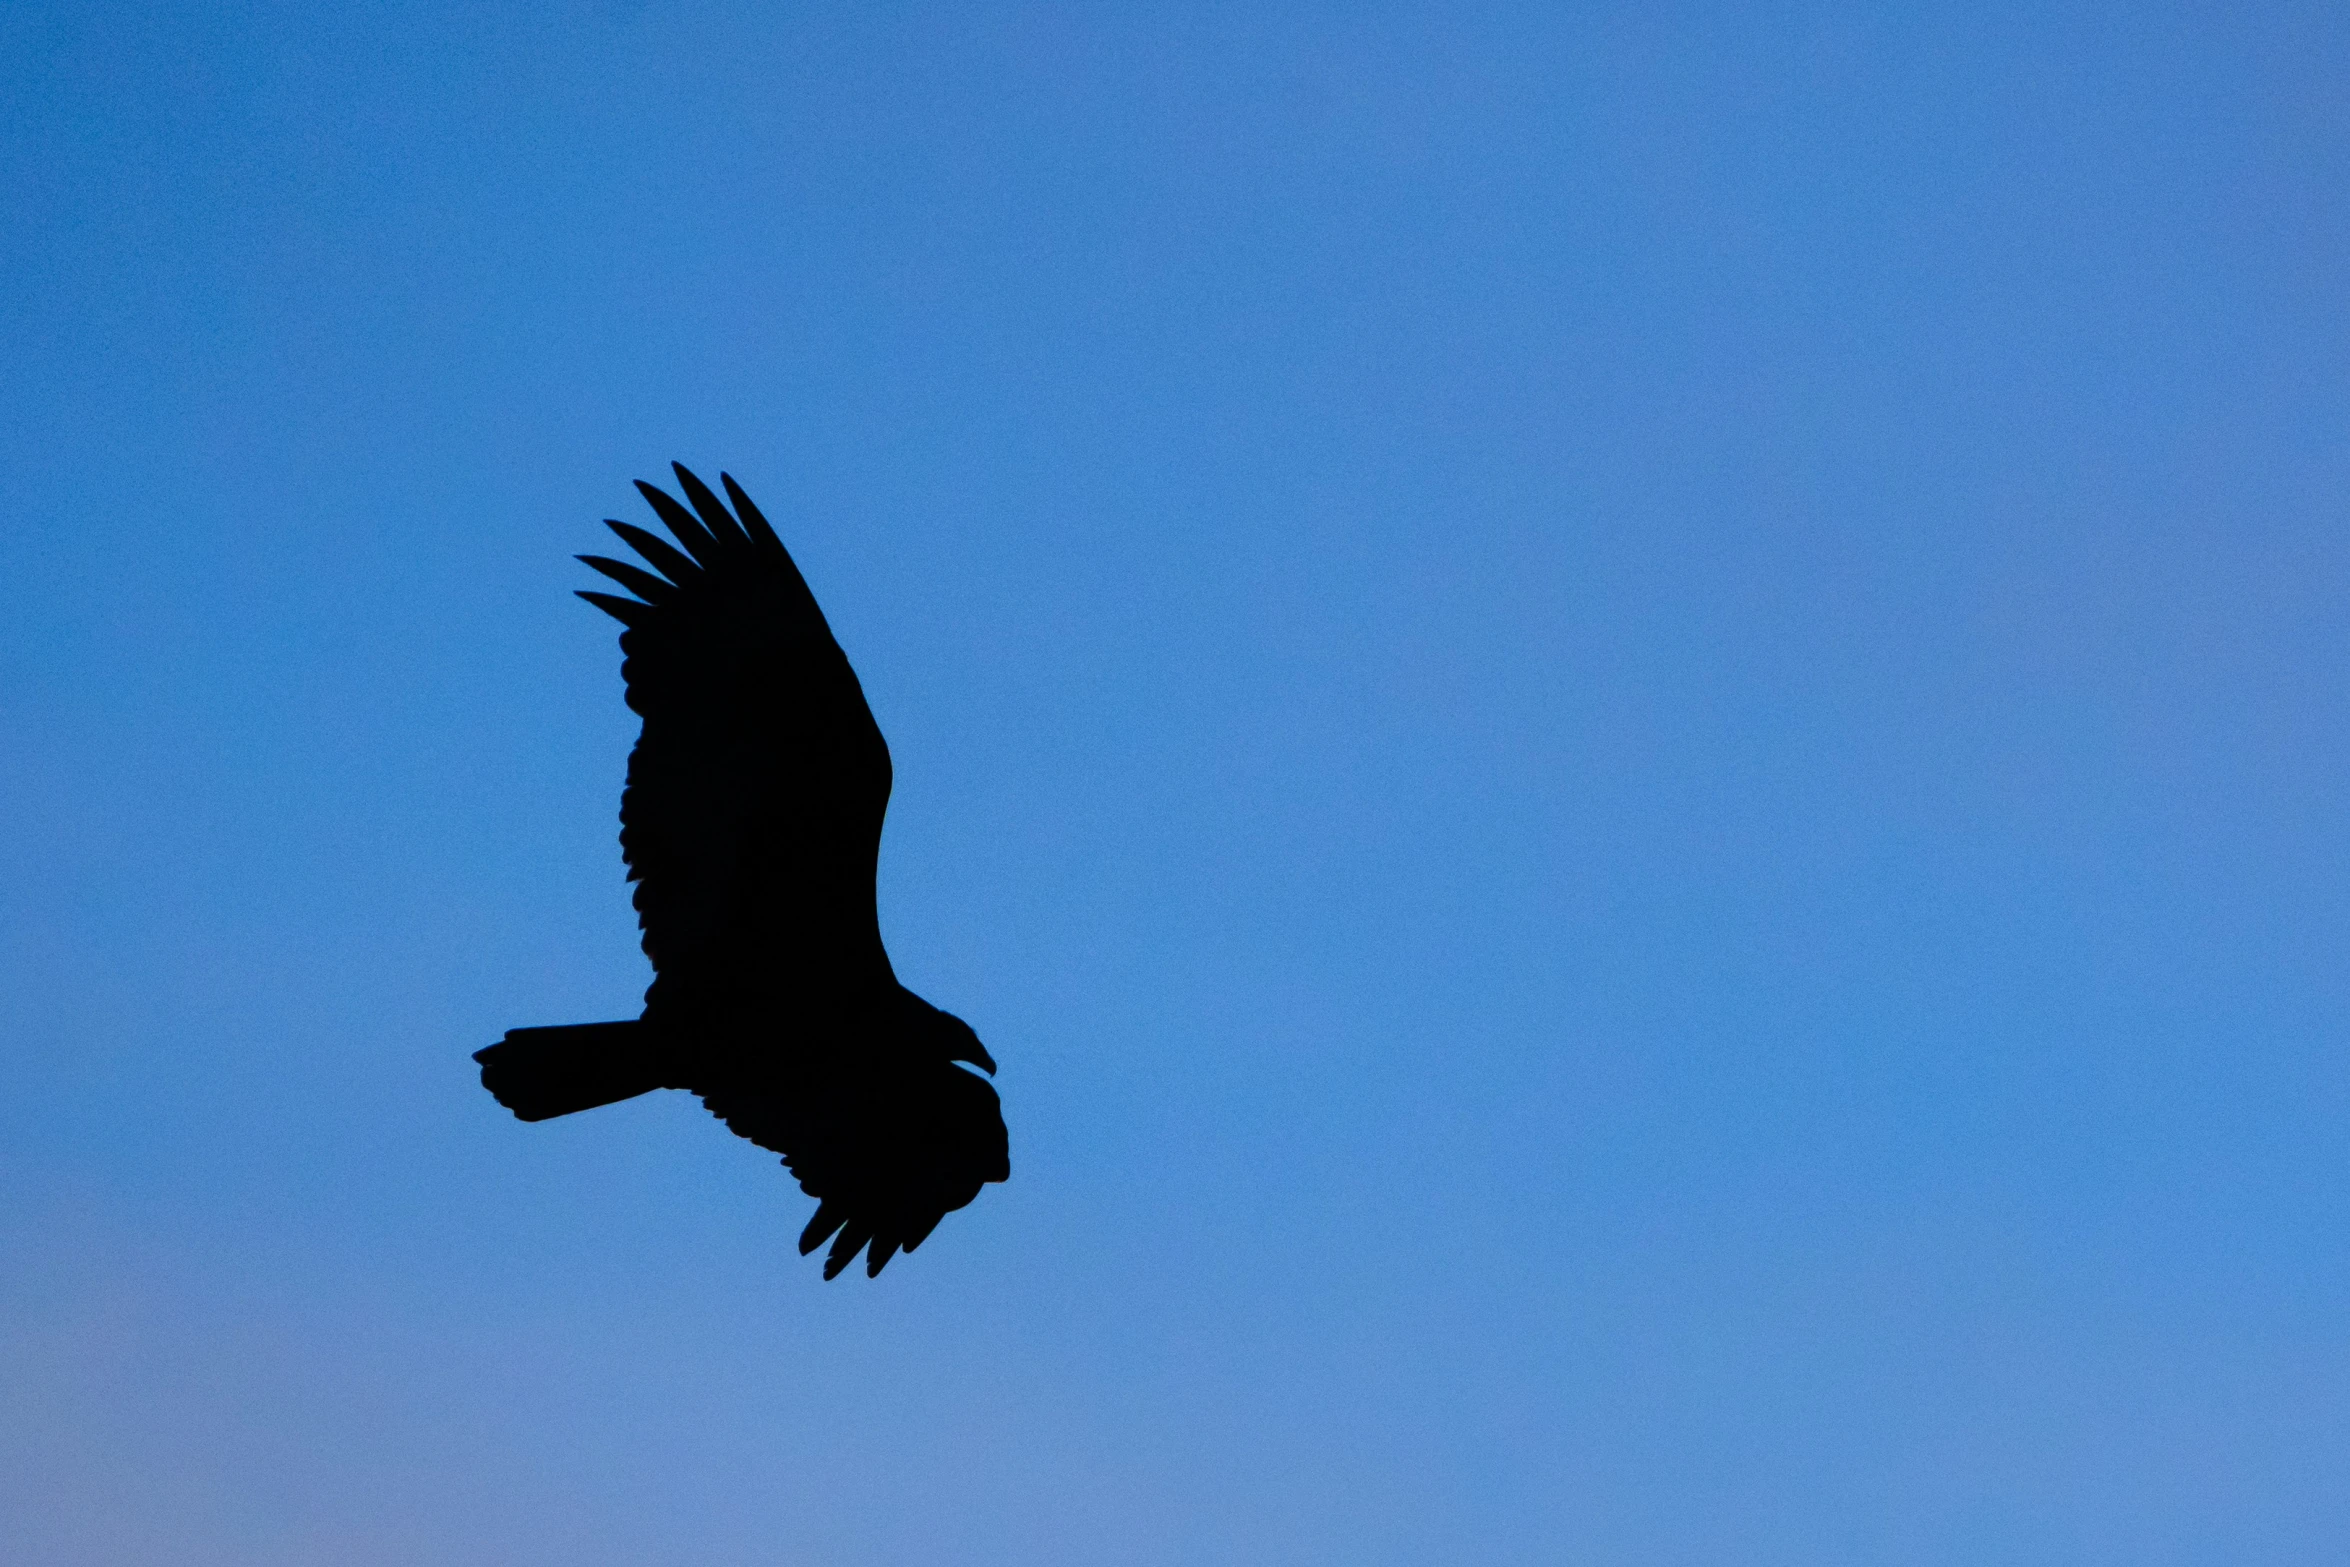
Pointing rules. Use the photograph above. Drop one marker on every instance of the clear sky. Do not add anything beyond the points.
(1629, 721)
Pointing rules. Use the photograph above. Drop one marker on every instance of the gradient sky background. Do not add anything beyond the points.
(1633, 724)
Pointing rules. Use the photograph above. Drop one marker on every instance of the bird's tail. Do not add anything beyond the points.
(543, 1072)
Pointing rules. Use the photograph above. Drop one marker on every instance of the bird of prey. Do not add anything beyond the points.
(751, 823)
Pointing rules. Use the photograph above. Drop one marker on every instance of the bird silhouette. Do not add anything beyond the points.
(751, 823)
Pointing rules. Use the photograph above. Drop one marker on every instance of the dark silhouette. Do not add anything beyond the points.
(751, 824)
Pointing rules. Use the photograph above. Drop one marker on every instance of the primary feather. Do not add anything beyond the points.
(751, 823)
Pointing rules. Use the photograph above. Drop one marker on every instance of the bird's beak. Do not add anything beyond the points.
(977, 1055)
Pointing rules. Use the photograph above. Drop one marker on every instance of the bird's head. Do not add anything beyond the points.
(962, 1044)
(940, 1035)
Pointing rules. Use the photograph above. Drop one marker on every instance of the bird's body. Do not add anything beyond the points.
(751, 824)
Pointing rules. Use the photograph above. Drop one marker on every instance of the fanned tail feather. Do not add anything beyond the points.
(539, 1073)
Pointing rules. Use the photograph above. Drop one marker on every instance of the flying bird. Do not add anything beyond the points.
(751, 823)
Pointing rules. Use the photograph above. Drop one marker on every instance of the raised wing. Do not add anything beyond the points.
(752, 816)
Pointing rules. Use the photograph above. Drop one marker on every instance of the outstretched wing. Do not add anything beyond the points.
(752, 816)
(887, 1147)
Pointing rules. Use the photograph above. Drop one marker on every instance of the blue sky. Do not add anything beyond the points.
(1630, 723)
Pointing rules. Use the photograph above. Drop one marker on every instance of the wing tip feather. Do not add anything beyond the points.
(698, 541)
(827, 1219)
(644, 584)
(629, 612)
(723, 525)
(682, 569)
(754, 521)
